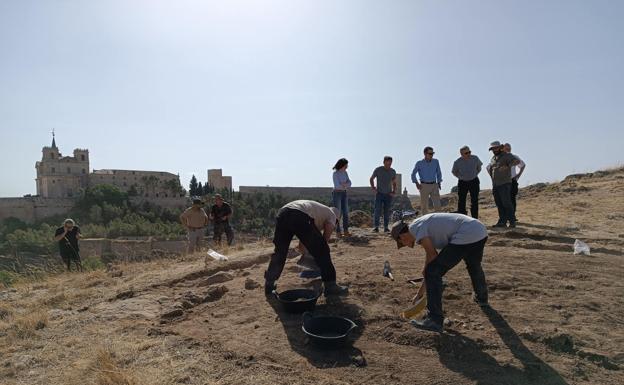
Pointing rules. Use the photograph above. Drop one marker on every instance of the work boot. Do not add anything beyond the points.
(331, 288)
(427, 324)
(269, 286)
(512, 225)
(386, 230)
(500, 225)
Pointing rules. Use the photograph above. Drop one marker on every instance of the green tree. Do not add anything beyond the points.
(193, 186)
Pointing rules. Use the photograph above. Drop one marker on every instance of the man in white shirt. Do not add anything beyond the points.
(457, 237)
(516, 173)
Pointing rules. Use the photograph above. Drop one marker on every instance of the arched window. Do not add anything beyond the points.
(82, 157)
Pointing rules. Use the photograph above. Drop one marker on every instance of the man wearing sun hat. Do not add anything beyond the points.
(305, 219)
(195, 220)
(500, 170)
(458, 237)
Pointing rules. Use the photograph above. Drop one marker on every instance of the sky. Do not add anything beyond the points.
(275, 91)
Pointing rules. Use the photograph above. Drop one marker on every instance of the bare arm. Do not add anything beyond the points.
(60, 236)
(328, 229)
(430, 252)
(372, 183)
(394, 185)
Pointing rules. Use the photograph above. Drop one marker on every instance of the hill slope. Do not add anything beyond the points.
(556, 318)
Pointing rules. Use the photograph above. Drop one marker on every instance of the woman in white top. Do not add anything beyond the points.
(342, 183)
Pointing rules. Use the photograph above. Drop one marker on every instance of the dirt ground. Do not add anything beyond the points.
(556, 318)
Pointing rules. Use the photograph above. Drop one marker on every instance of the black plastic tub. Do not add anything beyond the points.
(327, 331)
(298, 300)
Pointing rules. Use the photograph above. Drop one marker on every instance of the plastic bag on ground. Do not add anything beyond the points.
(216, 256)
(581, 248)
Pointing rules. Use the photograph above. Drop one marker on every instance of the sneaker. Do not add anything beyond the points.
(376, 230)
(499, 225)
(427, 324)
(269, 287)
(479, 302)
(512, 225)
(386, 230)
(331, 288)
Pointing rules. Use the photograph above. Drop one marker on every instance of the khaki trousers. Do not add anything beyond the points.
(194, 239)
(427, 190)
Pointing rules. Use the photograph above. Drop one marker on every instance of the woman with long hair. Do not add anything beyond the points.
(342, 183)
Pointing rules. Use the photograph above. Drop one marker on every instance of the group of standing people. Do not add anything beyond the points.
(504, 168)
(196, 220)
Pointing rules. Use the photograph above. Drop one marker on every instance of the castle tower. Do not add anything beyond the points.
(61, 176)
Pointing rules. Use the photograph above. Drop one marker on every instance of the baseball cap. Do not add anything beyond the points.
(396, 230)
(495, 144)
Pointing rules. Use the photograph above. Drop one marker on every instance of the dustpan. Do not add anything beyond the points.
(416, 310)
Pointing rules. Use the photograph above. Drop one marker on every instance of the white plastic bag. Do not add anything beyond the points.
(581, 248)
(216, 256)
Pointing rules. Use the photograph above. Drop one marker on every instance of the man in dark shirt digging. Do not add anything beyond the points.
(67, 238)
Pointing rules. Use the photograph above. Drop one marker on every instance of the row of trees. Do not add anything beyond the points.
(197, 189)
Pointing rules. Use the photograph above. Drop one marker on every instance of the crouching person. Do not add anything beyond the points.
(305, 219)
(67, 238)
(458, 237)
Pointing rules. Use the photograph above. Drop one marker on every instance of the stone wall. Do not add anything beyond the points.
(31, 209)
(130, 249)
(307, 192)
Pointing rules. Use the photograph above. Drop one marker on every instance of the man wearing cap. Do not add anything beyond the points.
(305, 219)
(430, 180)
(67, 238)
(467, 169)
(500, 170)
(516, 173)
(195, 220)
(220, 213)
(384, 192)
(458, 237)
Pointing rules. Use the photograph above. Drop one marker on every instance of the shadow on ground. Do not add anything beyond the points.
(318, 356)
(467, 357)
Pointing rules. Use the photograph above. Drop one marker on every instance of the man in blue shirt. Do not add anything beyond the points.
(428, 169)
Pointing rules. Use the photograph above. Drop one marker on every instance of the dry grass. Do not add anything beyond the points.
(107, 371)
(25, 326)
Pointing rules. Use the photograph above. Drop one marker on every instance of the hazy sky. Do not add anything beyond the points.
(274, 92)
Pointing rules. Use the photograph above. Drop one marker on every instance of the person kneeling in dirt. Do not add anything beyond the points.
(459, 237)
(67, 238)
(305, 219)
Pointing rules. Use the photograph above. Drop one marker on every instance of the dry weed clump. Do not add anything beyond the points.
(24, 326)
(107, 370)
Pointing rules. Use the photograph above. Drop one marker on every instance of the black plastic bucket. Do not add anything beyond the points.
(327, 331)
(298, 300)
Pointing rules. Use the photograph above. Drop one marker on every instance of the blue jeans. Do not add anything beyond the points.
(341, 202)
(386, 201)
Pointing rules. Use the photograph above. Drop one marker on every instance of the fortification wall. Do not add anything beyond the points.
(31, 209)
(307, 192)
